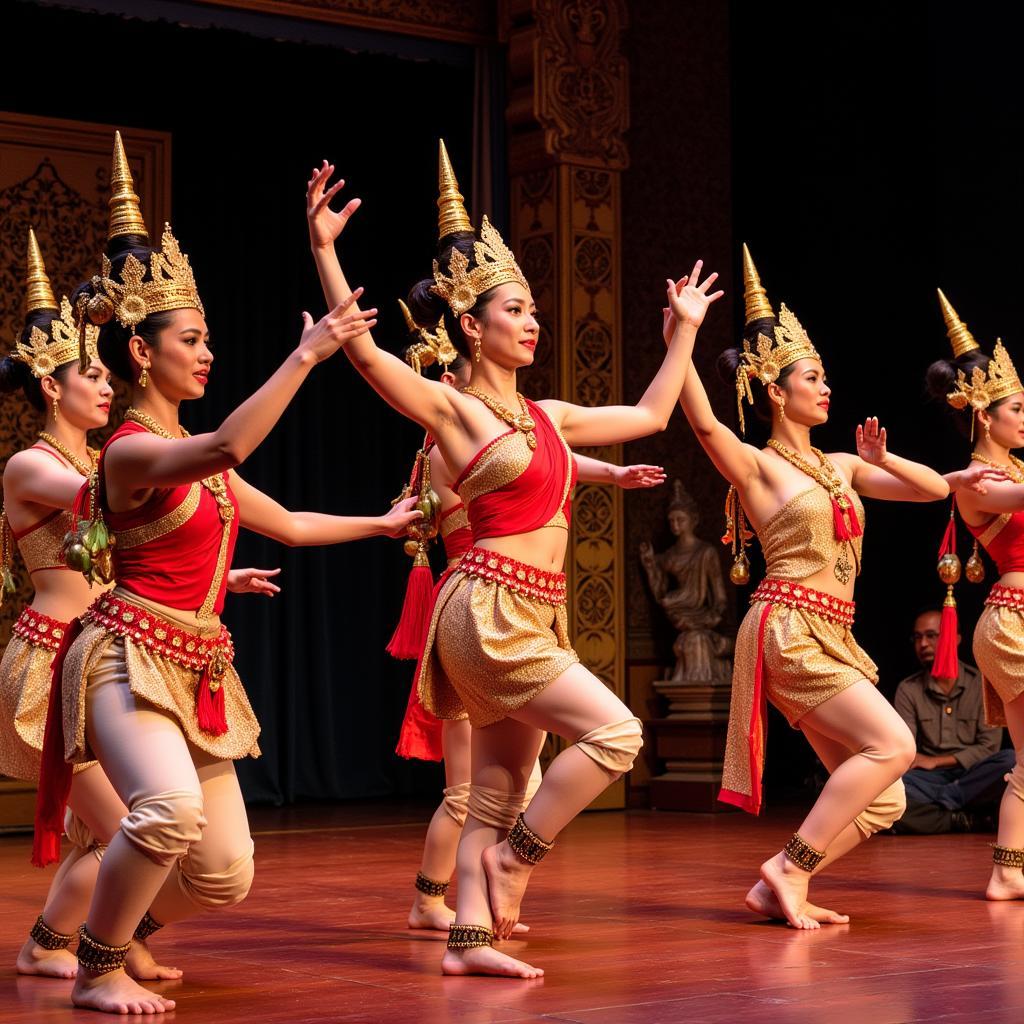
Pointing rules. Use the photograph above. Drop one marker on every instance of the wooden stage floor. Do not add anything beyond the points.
(636, 917)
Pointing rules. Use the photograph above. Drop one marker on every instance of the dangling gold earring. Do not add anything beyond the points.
(782, 411)
(477, 350)
(56, 409)
(144, 377)
(988, 433)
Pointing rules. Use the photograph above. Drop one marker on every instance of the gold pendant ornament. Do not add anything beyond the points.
(843, 569)
(521, 421)
(975, 568)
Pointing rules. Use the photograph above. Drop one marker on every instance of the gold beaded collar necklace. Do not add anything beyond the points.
(521, 421)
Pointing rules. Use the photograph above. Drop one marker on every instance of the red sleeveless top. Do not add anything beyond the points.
(509, 488)
(1003, 538)
(171, 549)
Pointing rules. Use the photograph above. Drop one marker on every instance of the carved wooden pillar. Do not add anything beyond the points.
(568, 107)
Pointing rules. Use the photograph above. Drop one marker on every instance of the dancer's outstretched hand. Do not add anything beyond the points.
(975, 477)
(871, 442)
(395, 522)
(632, 477)
(323, 338)
(324, 224)
(253, 581)
(689, 302)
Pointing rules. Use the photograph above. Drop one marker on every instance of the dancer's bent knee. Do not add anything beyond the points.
(164, 825)
(216, 889)
(1015, 781)
(614, 746)
(80, 835)
(884, 811)
(456, 802)
(498, 808)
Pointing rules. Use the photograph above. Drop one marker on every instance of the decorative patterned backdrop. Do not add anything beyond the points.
(568, 108)
(54, 178)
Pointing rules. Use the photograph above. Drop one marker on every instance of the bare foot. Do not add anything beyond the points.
(46, 963)
(789, 883)
(142, 964)
(432, 914)
(507, 877)
(761, 900)
(486, 960)
(1005, 884)
(116, 993)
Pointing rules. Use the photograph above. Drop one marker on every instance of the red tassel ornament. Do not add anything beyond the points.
(411, 632)
(210, 713)
(946, 664)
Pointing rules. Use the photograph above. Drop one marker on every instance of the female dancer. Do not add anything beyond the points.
(988, 397)
(498, 646)
(795, 645)
(40, 485)
(148, 687)
(432, 739)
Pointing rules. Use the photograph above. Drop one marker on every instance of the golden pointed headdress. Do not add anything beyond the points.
(494, 262)
(772, 354)
(44, 353)
(170, 283)
(956, 330)
(125, 211)
(428, 348)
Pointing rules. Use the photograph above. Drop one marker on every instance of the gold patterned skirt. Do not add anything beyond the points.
(498, 635)
(25, 692)
(796, 649)
(999, 650)
(168, 661)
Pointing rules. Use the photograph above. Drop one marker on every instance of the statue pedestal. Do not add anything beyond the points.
(689, 747)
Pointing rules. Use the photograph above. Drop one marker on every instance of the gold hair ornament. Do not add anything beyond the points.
(428, 348)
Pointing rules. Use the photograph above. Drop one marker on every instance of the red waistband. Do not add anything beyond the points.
(162, 637)
(539, 584)
(39, 630)
(796, 595)
(1006, 597)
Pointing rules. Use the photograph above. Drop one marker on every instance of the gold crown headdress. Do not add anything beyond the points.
(494, 262)
(43, 353)
(788, 342)
(171, 283)
(998, 380)
(428, 348)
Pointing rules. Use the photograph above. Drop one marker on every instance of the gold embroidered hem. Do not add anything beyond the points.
(491, 648)
(999, 650)
(25, 693)
(805, 660)
(166, 684)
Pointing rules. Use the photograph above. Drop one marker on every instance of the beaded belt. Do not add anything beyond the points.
(796, 595)
(39, 630)
(165, 640)
(547, 587)
(1006, 597)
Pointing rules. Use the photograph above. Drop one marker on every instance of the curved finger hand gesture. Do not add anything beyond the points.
(871, 441)
(323, 338)
(689, 298)
(253, 581)
(404, 512)
(631, 478)
(324, 224)
(975, 477)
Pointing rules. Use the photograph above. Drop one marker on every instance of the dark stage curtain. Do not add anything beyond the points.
(249, 118)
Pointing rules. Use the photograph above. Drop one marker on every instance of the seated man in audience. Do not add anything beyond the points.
(957, 777)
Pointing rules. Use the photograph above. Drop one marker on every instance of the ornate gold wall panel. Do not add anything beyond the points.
(54, 177)
(568, 107)
(459, 21)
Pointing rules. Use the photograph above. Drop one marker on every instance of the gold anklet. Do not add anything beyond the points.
(147, 926)
(429, 887)
(526, 843)
(98, 957)
(802, 854)
(469, 936)
(43, 935)
(1007, 856)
